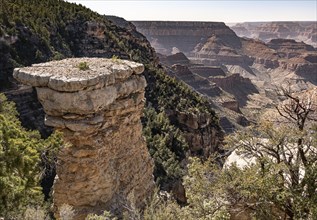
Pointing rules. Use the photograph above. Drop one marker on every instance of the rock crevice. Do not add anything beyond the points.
(98, 110)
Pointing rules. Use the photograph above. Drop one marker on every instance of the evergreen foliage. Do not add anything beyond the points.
(20, 162)
(165, 92)
(37, 31)
(262, 189)
(278, 181)
(166, 145)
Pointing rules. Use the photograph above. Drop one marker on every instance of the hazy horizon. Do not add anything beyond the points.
(234, 11)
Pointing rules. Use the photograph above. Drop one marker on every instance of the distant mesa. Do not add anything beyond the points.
(265, 31)
(166, 35)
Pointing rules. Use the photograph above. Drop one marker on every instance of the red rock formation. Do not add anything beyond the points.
(260, 53)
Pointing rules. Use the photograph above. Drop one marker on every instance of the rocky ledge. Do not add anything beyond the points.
(97, 104)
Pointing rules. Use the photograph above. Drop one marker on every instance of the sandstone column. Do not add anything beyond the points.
(98, 110)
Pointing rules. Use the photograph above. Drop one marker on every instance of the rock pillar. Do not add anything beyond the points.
(97, 104)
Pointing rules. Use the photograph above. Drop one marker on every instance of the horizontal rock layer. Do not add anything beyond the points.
(106, 164)
(182, 35)
(67, 76)
(265, 31)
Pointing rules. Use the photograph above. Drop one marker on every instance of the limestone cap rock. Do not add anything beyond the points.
(98, 110)
(66, 76)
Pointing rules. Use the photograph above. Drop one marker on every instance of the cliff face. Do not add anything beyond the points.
(184, 36)
(177, 58)
(283, 54)
(231, 71)
(214, 44)
(265, 31)
(289, 46)
(198, 83)
(203, 137)
(237, 85)
(98, 110)
(199, 130)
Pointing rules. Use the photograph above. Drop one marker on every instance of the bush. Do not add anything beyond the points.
(83, 66)
(166, 145)
(20, 162)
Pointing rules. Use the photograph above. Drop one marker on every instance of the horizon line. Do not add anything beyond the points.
(220, 21)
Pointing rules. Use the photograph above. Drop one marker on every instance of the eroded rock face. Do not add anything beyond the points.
(166, 35)
(202, 136)
(265, 31)
(98, 110)
(198, 129)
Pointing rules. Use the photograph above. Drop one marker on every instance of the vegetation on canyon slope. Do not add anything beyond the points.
(281, 182)
(278, 182)
(39, 31)
(24, 158)
(166, 145)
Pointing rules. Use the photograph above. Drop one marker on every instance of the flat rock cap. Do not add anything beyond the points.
(75, 74)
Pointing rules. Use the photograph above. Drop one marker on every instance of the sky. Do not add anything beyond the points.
(208, 10)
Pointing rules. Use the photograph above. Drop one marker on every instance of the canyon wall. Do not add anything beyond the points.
(174, 36)
(105, 163)
(233, 72)
(265, 31)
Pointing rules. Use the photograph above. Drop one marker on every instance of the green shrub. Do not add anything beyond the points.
(166, 145)
(83, 66)
(20, 162)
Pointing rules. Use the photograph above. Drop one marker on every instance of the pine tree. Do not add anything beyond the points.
(20, 159)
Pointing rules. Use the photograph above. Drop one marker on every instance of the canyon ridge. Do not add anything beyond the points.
(240, 75)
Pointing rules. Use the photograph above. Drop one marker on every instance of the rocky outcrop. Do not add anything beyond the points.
(283, 55)
(202, 135)
(260, 53)
(237, 85)
(198, 83)
(298, 57)
(207, 71)
(216, 51)
(288, 48)
(232, 105)
(106, 164)
(178, 58)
